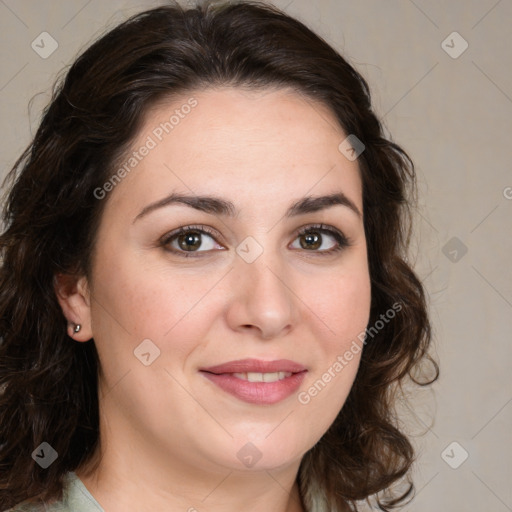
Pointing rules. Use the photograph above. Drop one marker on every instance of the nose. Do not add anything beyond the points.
(263, 300)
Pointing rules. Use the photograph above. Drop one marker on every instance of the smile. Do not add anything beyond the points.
(262, 377)
(257, 381)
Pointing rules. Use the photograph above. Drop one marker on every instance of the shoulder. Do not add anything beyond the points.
(72, 487)
(58, 506)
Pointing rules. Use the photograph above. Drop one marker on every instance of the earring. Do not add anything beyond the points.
(77, 328)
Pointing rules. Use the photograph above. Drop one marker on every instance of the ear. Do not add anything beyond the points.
(74, 298)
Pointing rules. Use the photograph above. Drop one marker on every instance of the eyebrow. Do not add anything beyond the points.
(218, 206)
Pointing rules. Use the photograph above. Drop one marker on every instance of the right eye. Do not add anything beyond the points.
(190, 239)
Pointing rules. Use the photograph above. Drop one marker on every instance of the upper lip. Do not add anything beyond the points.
(256, 366)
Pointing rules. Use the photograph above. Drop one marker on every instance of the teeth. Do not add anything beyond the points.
(262, 377)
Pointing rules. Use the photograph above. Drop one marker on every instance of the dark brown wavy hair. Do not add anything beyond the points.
(48, 382)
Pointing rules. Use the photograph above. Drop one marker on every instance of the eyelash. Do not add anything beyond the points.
(341, 239)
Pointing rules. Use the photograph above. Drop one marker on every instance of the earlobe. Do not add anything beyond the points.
(73, 296)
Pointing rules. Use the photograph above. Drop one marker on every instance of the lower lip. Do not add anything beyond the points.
(262, 393)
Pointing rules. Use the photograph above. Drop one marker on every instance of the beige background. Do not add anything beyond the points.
(454, 116)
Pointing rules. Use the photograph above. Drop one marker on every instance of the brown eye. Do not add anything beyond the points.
(189, 241)
(311, 241)
(321, 239)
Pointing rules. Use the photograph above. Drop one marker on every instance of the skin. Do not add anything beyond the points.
(169, 437)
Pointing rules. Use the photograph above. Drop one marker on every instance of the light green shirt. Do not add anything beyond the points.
(76, 498)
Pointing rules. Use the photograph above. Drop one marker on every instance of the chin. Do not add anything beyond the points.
(262, 452)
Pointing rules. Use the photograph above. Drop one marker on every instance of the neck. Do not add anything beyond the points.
(141, 484)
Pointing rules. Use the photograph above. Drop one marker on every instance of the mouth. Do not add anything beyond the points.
(255, 381)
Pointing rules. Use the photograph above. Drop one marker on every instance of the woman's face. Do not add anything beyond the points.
(247, 170)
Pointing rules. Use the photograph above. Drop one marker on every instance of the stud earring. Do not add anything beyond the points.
(77, 328)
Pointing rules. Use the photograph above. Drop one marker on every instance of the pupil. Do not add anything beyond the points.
(190, 241)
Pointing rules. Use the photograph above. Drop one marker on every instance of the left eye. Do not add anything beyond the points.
(316, 240)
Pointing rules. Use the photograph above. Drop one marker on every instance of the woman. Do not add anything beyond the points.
(205, 301)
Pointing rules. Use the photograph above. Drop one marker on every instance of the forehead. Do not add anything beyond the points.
(240, 143)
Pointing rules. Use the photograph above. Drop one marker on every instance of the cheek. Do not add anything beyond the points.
(344, 308)
(343, 305)
(136, 301)
(347, 305)
(342, 301)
